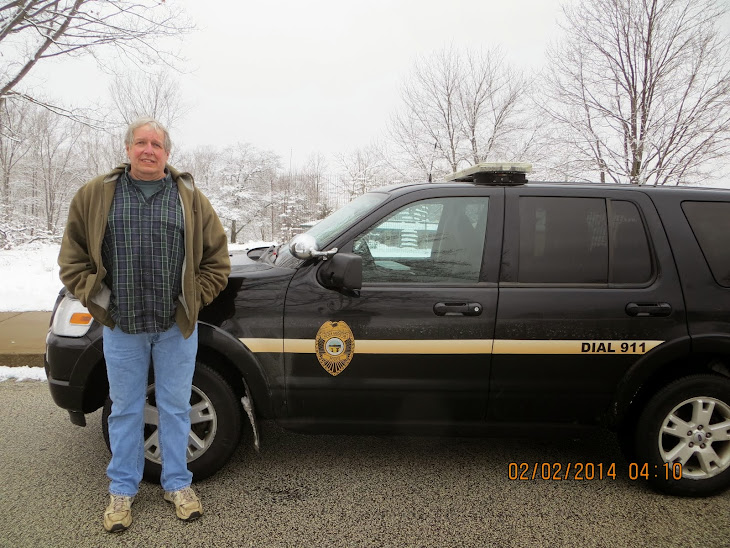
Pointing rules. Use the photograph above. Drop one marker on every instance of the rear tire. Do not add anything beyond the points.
(687, 422)
(215, 428)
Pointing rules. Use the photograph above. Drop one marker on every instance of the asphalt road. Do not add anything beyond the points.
(336, 491)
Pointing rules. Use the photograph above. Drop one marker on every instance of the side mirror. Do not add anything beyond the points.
(304, 246)
(342, 271)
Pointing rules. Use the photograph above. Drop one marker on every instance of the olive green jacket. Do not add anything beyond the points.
(205, 268)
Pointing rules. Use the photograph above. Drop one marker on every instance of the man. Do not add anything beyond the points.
(143, 250)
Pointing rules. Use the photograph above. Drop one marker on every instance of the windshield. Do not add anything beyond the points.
(327, 229)
(330, 227)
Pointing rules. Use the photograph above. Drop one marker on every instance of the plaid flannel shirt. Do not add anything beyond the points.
(143, 252)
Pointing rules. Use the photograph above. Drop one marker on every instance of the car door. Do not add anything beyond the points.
(588, 287)
(413, 345)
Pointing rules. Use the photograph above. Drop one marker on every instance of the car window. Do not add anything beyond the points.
(567, 240)
(710, 222)
(430, 241)
(330, 227)
(563, 240)
(631, 254)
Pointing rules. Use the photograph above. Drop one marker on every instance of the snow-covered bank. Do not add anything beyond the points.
(29, 282)
(29, 276)
(23, 373)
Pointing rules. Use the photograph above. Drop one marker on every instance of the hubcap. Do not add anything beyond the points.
(203, 425)
(696, 434)
(698, 437)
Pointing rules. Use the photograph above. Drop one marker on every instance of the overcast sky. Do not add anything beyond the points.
(319, 76)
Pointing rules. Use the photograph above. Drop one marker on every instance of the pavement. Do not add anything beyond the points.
(23, 338)
(342, 491)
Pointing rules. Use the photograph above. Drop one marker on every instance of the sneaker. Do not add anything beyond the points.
(187, 504)
(118, 515)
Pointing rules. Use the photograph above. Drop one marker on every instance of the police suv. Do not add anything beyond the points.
(483, 304)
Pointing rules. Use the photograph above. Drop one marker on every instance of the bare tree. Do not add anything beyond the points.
(459, 108)
(45, 178)
(430, 116)
(54, 170)
(362, 170)
(247, 188)
(489, 105)
(314, 171)
(36, 30)
(102, 150)
(14, 145)
(142, 94)
(641, 89)
(413, 151)
(205, 163)
(314, 178)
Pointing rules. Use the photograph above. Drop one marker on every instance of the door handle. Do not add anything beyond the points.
(648, 309)
(457, 309)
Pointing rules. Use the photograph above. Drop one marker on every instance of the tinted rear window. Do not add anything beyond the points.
(710, 222)
(631, 261)
(563, 240)
(582, 240)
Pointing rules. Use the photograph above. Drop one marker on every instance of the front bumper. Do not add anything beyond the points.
(76, 375)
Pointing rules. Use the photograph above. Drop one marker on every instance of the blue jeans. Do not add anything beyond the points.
(127, 365)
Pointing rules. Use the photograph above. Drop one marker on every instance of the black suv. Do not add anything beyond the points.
(483, 304)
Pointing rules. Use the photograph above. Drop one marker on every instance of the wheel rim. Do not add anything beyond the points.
(203, 425)
(696, 434)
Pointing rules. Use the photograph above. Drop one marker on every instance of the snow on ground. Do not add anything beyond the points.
(29, 282)
(29, 278)
(24, 373)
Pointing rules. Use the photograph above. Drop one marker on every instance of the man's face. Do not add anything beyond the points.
(147, 154)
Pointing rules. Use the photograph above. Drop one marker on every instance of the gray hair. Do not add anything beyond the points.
(154, 124)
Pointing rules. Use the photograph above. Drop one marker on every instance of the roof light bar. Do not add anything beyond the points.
(493, 174)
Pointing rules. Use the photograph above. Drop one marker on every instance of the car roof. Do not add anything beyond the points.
(686, 189)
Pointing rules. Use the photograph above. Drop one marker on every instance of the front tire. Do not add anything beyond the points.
(687, 422)
(215, 426)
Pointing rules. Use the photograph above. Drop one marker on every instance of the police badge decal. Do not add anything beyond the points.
(334, 346)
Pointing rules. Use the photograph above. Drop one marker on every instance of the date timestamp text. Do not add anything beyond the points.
(589, 471)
